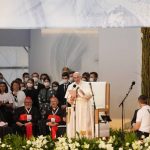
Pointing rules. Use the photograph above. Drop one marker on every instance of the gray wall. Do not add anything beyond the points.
(120, 64)
(119, 59)
(12, 37)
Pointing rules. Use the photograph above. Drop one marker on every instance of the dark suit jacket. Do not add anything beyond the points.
(61, 94)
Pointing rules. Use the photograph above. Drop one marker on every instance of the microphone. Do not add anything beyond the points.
(133, 83)
(74, 86)
(91, 88)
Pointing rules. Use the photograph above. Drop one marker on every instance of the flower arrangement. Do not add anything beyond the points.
(114, 142)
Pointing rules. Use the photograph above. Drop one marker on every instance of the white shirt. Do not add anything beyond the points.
(6, 98)
(143, 116)
(19, 99)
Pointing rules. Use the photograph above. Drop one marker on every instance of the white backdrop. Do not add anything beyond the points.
(114, 53)
(53, 51)
(74, 13)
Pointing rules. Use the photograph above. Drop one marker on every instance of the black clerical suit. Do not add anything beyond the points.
(34, 119)
(59, 112)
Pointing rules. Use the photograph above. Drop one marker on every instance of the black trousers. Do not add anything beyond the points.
(140, 134)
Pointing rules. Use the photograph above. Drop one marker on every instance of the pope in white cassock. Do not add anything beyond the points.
(80, 115)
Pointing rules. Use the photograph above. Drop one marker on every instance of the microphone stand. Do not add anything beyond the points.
(75, 111)
(93, 105)
(122, 106)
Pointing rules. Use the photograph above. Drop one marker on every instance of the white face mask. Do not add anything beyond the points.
(71, 79)
(55, 88)
(22, 88)
(42, 81)
(46, 84)
(83, 79)
(26, 79)
(29, 85)
(65, 81)
(91, 79)
(35, 79)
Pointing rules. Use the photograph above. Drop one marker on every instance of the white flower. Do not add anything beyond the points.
(104, 138)
(72, 146)
(120, 148)
(23, 147)
(3, 145)
(102, 145)
(44, 141)
(127, 144)
(111, 139)
(62, 139)
(77, 144)
(146, 144)
(28, 142)
(109, 147)
(69, 140)
(86, 146)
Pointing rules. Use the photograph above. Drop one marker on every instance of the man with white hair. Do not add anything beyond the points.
(80, 118)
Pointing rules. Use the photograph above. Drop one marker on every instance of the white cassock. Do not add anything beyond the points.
(83, 111)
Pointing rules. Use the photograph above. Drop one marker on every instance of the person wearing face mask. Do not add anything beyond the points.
(37, 84)
(93, 76)
(25, 77)
(71, 76)
(6, 102)
(62, 90)
(44, 103)
(55, 85)
(32, 92)
(44, 96)
(86, 76)
(42, 76)
(19, 96)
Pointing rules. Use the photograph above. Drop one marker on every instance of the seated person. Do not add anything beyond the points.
(133, 121)
(4, 129)
(6, 103)
(142, 125)
(55, 117)
(26, 118)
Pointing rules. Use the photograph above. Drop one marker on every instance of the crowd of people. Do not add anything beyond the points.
(34, 105)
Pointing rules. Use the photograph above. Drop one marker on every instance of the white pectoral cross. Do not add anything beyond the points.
(29, 117)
